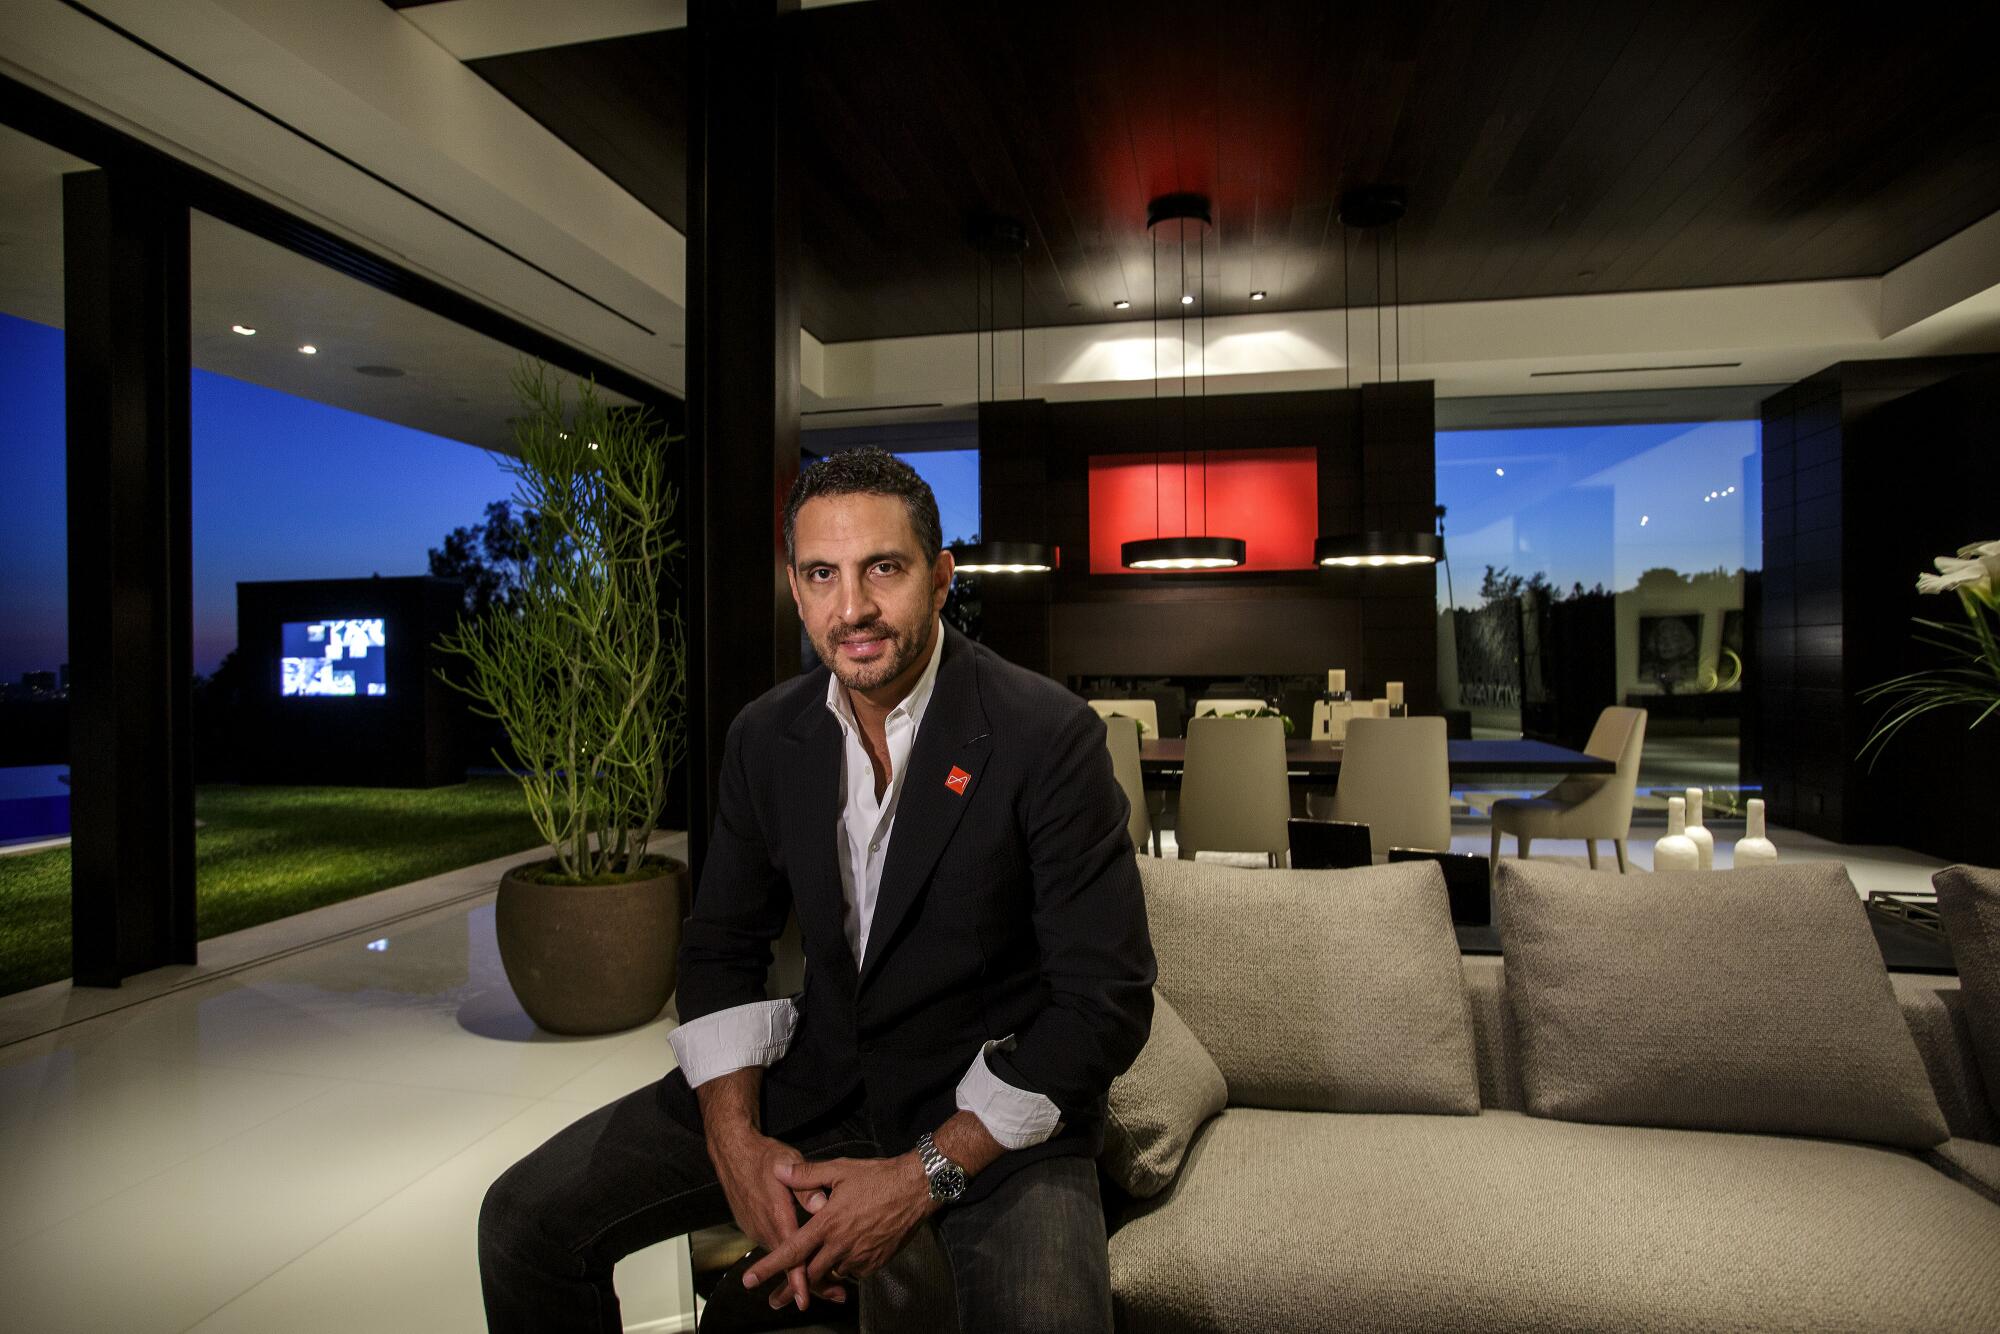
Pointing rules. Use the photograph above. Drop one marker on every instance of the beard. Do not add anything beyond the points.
(899, 652)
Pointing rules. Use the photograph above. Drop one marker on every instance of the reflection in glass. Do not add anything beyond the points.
(1598, 565)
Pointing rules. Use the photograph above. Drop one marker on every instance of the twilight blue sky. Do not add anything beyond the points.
(34, 619)
(284, 488)
(1600, 504)
(954, 478)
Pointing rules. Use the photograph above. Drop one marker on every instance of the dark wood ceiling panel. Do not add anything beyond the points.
(1548, 146)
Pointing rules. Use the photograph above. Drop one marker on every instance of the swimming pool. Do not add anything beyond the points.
(34, 802)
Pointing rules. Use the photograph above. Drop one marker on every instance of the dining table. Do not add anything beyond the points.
(1310, 763)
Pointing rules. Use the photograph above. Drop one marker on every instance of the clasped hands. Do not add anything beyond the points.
(862, 1210)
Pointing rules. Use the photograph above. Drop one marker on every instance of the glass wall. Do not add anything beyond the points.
(1598, 565)
(953, 475)
(946, 456)
(345, 446)
(34, 570)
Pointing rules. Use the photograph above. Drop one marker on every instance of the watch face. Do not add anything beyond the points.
(948, 1184)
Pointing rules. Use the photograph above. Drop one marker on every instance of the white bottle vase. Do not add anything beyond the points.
(1754, 849)
(1699, 833)
(1676, 852)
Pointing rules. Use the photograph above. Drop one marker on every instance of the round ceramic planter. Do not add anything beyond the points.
(589, 959)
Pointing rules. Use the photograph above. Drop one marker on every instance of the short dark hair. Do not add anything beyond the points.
(868, 471)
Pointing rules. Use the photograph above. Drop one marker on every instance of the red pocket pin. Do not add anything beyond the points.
(957, 779)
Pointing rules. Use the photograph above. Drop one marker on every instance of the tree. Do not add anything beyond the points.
(488, 557)
(217, 714)
(964, 609)
(1499, 583)
(585, 667)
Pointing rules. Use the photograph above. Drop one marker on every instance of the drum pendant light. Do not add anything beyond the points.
(993, 236)
(1189, 551)
(1374, 208)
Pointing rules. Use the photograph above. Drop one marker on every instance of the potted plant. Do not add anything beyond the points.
(1266, 712)
(584, 666)
(1969, 677)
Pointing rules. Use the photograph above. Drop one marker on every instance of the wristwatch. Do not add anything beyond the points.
(947, 1177)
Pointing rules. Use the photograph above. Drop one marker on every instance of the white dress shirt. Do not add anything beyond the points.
(758, 1033)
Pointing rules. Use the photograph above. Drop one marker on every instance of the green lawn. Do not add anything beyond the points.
(269, 852)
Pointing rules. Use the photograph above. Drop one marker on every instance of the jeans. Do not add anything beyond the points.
(1028, 1258)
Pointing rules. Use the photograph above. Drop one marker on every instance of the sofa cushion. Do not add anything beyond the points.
(1750, 1000)
(1971, 1162)
(1157, 1105)
(1969, 903)
(1934, 1010)
(1324, 990)
(1493, 1036)
(1507, 1222)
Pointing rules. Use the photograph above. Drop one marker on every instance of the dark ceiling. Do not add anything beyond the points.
(1547, 148)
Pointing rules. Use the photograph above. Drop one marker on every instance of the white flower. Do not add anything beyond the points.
(1975, 571)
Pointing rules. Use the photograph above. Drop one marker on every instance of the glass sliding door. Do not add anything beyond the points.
(34, 569)
(1598, 565)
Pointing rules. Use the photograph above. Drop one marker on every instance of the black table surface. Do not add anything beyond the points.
(1905, 949)
(1161, 756)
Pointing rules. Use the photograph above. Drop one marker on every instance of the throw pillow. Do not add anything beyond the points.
(1332, 991)
(1159, 1103)
(1752, 1000)
(1969, 903)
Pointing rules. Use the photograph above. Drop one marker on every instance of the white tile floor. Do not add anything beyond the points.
(301, 1145)
(298, 1146)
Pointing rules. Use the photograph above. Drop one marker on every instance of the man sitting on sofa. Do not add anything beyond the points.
(973, 983)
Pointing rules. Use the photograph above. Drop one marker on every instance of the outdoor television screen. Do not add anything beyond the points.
(334, 658)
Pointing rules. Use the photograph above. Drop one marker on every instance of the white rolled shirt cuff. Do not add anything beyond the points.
(737, 1038)
(1016, 1117)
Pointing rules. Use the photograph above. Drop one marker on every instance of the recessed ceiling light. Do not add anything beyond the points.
(308, 349)
(1645, 519)
(1121, 305)
(1186, 300)
(1499, 472)
(1256, 296)
(243, 329)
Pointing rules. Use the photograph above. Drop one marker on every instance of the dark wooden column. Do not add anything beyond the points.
(1849, 521)
(125, 303)
(743, 363)
(1014, 502)
(1399, 606)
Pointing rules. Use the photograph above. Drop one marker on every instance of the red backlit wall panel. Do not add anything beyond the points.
(1267, 497)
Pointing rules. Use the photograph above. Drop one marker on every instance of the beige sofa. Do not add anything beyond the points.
(1287, 1219)
(1334, 1124)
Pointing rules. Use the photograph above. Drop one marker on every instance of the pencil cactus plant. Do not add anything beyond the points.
(585, 666)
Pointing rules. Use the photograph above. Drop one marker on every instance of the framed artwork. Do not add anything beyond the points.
(1670, 649)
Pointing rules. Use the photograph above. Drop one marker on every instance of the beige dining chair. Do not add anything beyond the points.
(1235, 795)
(1148, 712)
(1395, 777)
(1585, 806)
(1121, 735)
